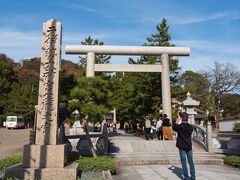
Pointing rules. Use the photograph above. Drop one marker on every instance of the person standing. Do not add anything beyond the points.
(184, 144)
(159, 129)
(167, 132)
(147, 128)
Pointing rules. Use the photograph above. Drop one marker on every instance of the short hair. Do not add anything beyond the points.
(184, 116)
(165, 115)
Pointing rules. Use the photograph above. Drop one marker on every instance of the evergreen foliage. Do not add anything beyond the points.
(97, 164)
(100, 59)
(232, 161)
(91, 98)
(10, 161)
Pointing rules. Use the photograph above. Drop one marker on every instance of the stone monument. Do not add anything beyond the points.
(46, 159)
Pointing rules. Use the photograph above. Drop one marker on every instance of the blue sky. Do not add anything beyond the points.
(211, 28)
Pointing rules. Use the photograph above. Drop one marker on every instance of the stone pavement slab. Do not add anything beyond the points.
(173, 172)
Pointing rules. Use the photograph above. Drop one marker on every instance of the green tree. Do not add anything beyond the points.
(100, 59)
(230, 103)
(195, 83)
(91, 97)
(22, 100)
(144, 89)
(162, 38)
(7, 78)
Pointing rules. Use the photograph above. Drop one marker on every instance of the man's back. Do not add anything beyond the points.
(184, 140)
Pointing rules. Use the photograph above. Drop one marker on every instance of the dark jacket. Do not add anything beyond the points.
(166, 122)
(184, 140)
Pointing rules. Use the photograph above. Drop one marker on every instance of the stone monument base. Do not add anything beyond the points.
(69, 172)
(44, 156)
(45, 162)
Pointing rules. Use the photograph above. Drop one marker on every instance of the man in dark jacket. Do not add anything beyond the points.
(184, 144)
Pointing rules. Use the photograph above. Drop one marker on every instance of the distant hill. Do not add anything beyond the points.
(6, 59)
(31, 67)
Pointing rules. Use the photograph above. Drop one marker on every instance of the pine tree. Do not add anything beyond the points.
(100, 59)
(91, 100)
(144, 89)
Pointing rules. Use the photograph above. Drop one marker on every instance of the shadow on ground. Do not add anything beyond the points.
(112, 148)
(176, 170)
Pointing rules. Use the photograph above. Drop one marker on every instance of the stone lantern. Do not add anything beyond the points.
(189, 103)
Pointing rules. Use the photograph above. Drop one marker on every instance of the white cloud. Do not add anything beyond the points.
(197, 61)
(190, 20)
(20, 45)
(113, 37)
(80, 7)
(213, 46)
(17, 39)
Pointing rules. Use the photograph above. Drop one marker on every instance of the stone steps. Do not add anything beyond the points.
(151, 146)
(164, 158)
(132, 150)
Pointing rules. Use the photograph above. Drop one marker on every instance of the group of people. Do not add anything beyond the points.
(184, 140)
(162, 128)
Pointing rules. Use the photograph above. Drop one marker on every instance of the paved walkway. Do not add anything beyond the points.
(155, 160)
(12, 141)
(173, 172)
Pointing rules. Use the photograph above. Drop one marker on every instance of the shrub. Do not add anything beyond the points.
(232, 161)
(97, 164)
(236, 127)
(10, 161)
(2, 119)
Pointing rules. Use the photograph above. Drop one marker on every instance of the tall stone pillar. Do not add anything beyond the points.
(47, 114)
(166, 93)
(46, 159)
(90, 64)
(114, 115)
(209, 137)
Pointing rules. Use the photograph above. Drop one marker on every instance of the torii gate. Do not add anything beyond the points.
(164, 52)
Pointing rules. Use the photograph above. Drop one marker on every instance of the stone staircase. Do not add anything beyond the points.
(132, 150)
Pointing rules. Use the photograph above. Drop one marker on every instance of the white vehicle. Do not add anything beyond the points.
(15, 122)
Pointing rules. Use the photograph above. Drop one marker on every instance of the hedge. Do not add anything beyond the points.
(86, 164)
(232, 161)
(10, 161)
(236, 127)
(99, 163)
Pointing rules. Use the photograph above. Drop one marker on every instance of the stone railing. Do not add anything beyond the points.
(83, 146)
(199, 135)
(203, 136)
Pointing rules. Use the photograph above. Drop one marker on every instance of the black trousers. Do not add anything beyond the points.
(160, 134)
(147, 133)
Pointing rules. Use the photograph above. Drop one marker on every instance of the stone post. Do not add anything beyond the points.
(47, 114)
(90, 64)
(46, 159)
(209, 137)
(166, 93)
(114, 116)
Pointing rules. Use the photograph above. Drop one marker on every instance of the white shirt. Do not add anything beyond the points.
(148, 123)
(159, 124)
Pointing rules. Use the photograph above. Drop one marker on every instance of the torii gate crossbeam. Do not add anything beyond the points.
(164, 52)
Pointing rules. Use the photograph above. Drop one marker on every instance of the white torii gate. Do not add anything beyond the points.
(164, 52)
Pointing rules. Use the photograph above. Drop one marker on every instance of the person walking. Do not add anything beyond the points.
(147, 128)
(167, 132)
(184, 144)
(159, 129)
